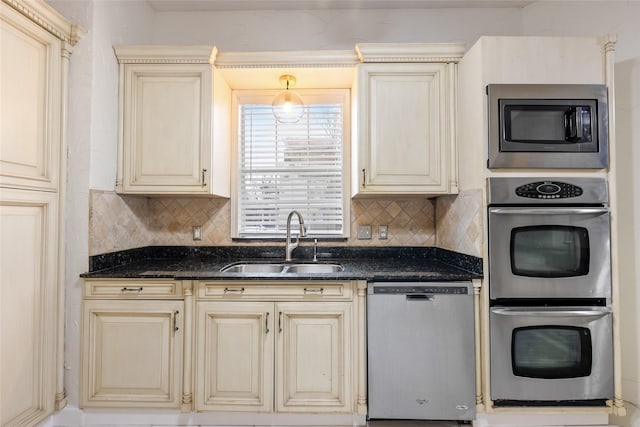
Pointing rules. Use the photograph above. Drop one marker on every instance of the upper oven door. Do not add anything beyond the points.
(549, 252)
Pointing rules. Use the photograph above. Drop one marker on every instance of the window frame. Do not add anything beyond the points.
(309, 96)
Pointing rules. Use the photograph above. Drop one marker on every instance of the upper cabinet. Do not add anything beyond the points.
(174, 122)
(404, 112)
(31, 95)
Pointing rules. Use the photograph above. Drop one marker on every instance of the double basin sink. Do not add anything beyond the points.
(276, 268)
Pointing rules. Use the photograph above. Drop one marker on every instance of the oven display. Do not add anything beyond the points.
(548, 190)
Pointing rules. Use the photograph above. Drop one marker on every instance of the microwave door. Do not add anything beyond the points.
(546, 127)
(529, 124)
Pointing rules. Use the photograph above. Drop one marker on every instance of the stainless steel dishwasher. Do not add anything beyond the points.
(421, 362)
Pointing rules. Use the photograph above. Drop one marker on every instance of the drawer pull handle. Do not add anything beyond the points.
(313, 290)
(279, 321)
(233, 290)
(364, 178)
(125, 289)
(266, 323)
(175, 321)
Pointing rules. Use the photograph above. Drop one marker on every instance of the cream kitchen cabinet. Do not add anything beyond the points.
(405, 139)
(31, 93)
(235, 356)
(34, 60)
(174, 122)
(132, 344)
(283, 347)
(29, 305)
(313, 357)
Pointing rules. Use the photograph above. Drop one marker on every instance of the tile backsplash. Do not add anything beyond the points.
(459, 222)
(119, 222)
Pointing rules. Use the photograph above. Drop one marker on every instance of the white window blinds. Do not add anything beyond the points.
(292, 166)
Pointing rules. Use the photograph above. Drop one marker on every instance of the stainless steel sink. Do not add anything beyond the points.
(253, 268)
(314, 268)
(301, 268)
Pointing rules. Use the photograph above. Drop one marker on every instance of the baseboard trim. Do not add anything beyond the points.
(72, 417)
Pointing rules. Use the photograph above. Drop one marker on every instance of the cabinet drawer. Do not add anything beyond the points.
(133, 289)
(272, 290)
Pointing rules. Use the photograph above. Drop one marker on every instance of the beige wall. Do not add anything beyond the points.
(93, 103)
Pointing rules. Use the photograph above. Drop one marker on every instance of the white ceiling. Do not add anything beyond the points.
(227, 5)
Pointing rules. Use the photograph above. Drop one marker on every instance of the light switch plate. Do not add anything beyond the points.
(383, 232)
(364, 232)
(197, 232)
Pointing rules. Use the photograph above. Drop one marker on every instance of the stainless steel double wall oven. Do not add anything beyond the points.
(550, 289)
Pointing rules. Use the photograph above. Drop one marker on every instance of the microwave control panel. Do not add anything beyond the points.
(548, 190)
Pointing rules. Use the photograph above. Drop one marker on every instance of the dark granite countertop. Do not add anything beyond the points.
(359, 263)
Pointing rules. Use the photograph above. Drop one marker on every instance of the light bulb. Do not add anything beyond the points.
(287, 107)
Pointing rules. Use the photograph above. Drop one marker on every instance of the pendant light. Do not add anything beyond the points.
(287, 106)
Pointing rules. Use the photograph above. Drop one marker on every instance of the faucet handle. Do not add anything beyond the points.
(315, 250)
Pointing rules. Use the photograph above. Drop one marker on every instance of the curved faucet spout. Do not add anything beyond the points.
(290, 246)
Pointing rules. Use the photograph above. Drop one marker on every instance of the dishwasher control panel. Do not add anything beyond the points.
(395, 289)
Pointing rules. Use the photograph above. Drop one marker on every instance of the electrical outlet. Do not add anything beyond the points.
(197, 232)
(383, 232)
(364, 232)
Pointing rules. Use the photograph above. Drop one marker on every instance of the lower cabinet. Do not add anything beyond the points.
(235, 356)
(283, 356)
(28, 305)
(250, 346)
(132, 351)
(313, 354)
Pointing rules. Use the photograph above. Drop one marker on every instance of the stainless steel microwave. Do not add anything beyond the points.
(548, 126)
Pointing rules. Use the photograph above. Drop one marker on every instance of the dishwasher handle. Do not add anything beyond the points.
(420, 297)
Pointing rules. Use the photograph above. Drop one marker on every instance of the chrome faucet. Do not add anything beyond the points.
(289, 246)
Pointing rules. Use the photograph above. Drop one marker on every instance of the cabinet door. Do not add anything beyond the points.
(405, 130)
(30, 82)
(28, 282)
(234, 356)
(131, 353)
(166, 114)
(313, 362)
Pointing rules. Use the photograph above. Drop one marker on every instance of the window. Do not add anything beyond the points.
(293, 166)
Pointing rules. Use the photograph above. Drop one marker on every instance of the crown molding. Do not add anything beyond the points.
(48, 18)
(410, 52)
(156, 54)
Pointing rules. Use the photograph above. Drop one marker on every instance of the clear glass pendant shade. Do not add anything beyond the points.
(287, 106)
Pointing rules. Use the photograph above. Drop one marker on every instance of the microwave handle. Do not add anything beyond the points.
(572, 125)
(595, 312)
(548, 211)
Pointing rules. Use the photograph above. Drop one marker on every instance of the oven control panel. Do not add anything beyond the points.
(548, 190)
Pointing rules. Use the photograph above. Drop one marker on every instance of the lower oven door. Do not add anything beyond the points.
(551, 353)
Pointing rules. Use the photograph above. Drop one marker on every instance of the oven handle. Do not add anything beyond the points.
(545, 311)
(548, 211)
